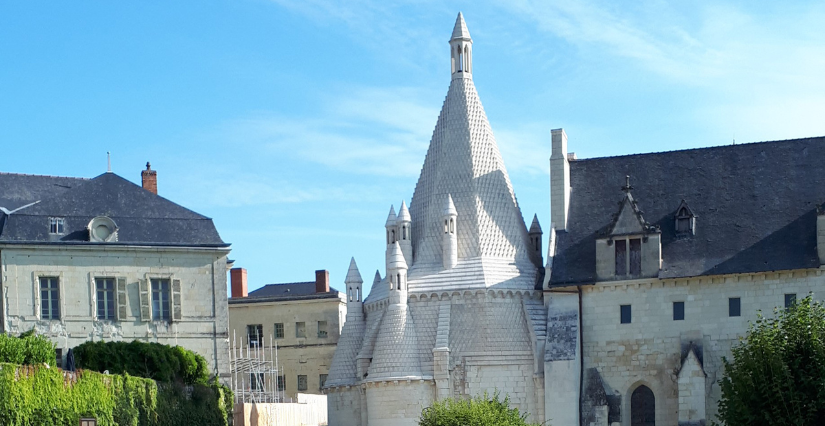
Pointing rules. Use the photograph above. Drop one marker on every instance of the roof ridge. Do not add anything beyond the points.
(578, 160)
(47, 176)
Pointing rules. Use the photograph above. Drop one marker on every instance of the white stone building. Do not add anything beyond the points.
(458, 310)
(105, 259)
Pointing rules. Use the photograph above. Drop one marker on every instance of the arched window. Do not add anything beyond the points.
(391, 287)
(642, 407)
(446, 227)
(357, 294)
(460, 59)
(388, 237)
(398, 278)
(466, 59)
(349, 294)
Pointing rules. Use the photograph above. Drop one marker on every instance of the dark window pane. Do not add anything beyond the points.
(621, 257)
(734, 307)
(635, 256)
(625, 314)
(790, 300)
(678, 311)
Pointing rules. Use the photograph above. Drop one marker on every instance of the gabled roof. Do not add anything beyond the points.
(142, 217)
(755, 204)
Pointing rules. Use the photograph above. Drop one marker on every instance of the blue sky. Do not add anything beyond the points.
(295, 124)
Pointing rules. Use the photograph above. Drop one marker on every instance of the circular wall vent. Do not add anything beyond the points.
(102, 229)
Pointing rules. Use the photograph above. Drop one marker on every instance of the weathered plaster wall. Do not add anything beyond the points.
(398, 403)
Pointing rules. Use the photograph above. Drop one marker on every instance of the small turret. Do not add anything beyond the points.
(354, 285)
(461, 49)
(404, 227)
(392, 233)
(397, 276)
(535, 234)
(449, 245)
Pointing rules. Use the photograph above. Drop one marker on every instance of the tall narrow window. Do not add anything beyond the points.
(160, 299)
(281, 383)
(642, 407)
(734, 307)
(404, 232)
(322, 380)
(58, 355)
(105, 298)
(302, 382)
(621, 257)
(256, 381)
(678, 311)
(49, 298)
(625, 314)
(279, 330)
(790, 300)
(300, 329)
(255, 335)
(398, 280)
(322, 329)
(635, 256)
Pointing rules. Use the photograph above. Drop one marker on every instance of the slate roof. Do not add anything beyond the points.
(142, 217)
(288, 290)
(755, 207)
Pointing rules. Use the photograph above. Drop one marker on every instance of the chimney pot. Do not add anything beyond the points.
(322, 281)
(149, 178)
(238, 278)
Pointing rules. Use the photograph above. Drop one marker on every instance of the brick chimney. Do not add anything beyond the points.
(322, 281)
(238, 278)
(149, 178)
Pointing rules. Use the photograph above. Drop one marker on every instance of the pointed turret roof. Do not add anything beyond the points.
(535, 227)
(353, 275)
(391, 218)
(396, 257)
(403, 213)
(460, 29)
(449, 207)
(377, 278)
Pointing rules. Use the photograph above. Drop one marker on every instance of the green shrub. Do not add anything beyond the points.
(154, 361)
(477, 411)
(27, 349)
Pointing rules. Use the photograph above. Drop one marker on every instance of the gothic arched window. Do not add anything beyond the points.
(642, 407)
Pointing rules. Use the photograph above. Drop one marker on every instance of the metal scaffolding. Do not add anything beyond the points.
(254, 375)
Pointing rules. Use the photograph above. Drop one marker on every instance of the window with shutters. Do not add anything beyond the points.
(105, 298)
(50, 298)
(161, 299)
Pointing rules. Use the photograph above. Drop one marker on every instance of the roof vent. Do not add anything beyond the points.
(102, 229)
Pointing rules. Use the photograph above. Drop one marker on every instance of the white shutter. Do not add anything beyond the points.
(122, 305)
(176, 300)
(145, 301)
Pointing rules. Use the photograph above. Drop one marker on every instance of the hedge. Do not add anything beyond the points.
(150, 360)
(41, 395)
(27, 349)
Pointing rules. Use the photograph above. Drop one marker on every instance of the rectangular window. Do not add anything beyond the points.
(621, 257)
(58, 356)
(302, 382)
(625, 314)
(279, 330)
(255, 335)
(734, 307)
(322, 329)
(105, 298)
(160, 299)
(300, 329)
(322, 380)
(281, 383)
(790, 300)
(49, 298)
(635, 256)
(678, 311)
(56, 225)
(256, 381)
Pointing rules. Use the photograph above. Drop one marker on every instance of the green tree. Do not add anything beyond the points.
(777, 375)
(481, 410)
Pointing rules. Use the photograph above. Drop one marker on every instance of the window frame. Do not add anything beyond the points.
(322, 380)
(325, 330)
(305, 384)
(113, 292)
(281, 383)
(627, 256)
(275, 330)
(790, 300)
(626, 312)
(300, 330)
(57, 225)
(738, 307)
(679, 311)
(168, 292)
(55, 306)
(257, 385)
(259, 328)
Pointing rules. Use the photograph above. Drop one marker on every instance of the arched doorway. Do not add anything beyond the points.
(642, 407)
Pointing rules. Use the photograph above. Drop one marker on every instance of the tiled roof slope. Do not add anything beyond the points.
(143, 218)
(463, 161)
(289, 290)
(343, 370)
(755, 207)
(17, 190)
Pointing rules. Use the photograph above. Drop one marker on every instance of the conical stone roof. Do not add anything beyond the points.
(460, 29)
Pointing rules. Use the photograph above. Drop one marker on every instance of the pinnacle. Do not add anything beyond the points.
(460, 30)
(535, 227)
(377, 278)
(403, 213)
(353, 275)
(391, 217)
(449, 209)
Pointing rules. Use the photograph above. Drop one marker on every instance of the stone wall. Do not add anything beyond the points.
(344, 405)
(398, 403)
(202, 273)
(651, 349)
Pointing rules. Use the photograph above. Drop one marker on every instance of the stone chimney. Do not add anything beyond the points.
(238, 278)
(322, 281)
(149, 178)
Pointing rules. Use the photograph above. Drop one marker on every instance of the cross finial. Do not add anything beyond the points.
(626, 188)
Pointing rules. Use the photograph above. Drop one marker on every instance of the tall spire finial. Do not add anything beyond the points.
(460, 30)
(626, 188)
(108, 162)
(461, 49)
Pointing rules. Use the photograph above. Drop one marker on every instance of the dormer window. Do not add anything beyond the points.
(56, 225)
(685, 221)
(628, 262)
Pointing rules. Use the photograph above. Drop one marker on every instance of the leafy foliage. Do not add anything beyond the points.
(27, 349)
(481, 410)
(39, 395)
(150, 360)
(777, 376)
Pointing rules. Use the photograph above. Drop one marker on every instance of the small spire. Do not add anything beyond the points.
(377, 278)
(449, 209)
(626, 188)
(353, 275)
(403, 213)
(391, 218)
(535, 227)
(397, 260)
(108, 162)
(460, 30)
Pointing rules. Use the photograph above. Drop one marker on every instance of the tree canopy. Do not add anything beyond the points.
(481, 410)
(777, 373)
